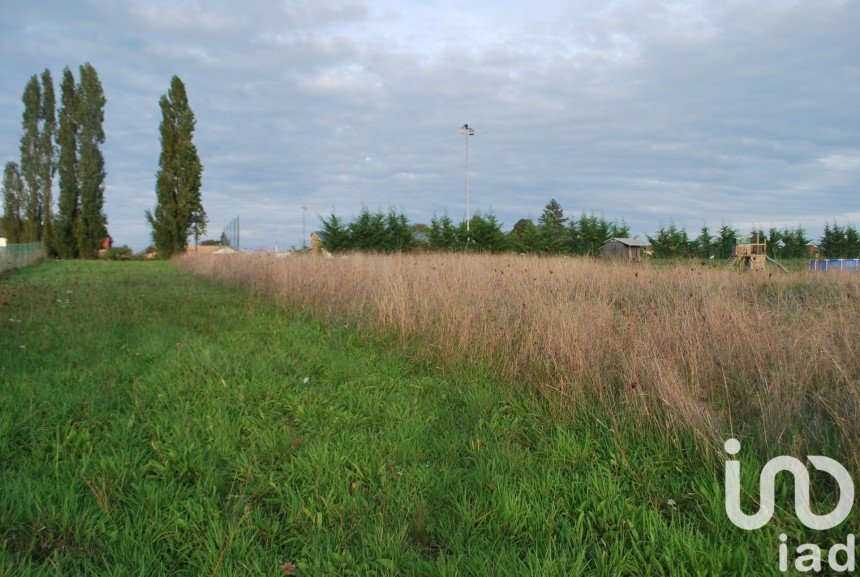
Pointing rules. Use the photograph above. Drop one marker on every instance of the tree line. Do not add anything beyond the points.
(555, 234)
(786, 243)
(392, 232)
(840, 241)
(672, 242)
(67, 142)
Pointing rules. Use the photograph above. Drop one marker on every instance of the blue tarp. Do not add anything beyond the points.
(851, 264)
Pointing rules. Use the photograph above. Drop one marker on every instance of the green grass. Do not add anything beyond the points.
(153, 423)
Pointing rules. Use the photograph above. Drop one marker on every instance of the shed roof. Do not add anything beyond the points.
(629, 241)
(204, 249)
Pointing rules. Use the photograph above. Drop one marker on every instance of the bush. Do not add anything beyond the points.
(123, 252)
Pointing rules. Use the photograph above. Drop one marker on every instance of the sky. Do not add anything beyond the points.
(688, 112)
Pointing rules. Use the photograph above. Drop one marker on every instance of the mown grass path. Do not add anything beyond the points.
(153, 423)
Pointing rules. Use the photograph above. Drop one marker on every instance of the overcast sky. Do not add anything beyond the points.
(745, 112)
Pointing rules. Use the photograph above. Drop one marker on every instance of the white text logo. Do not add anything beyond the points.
(809, 557)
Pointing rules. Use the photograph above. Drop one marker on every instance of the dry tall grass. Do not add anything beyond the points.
(713, 350)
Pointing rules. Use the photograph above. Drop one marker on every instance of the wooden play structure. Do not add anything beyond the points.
(750, 252)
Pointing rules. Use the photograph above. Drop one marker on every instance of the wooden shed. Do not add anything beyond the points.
(624, 248)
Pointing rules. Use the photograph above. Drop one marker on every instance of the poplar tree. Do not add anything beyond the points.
(92, 225)
(13, 191)
(179, 210)
(69, 204)
(47, 157)
(30, 163)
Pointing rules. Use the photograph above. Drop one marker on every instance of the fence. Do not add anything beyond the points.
(15, 256)
(852, 264)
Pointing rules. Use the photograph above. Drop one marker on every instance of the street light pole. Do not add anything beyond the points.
(304, 228)
(466, 131)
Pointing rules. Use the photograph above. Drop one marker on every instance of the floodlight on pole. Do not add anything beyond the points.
(304, 226)
(467, 131)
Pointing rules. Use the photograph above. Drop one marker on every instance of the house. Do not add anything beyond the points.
(105, 245)
(625, 248)
(203, 249)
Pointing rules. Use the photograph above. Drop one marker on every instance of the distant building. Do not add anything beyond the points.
(316, 242)
(203, 249)
(105, 245)
(317, 246)
(625, 248)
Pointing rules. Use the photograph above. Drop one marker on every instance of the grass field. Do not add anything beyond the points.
(155, 423)
(709, 350)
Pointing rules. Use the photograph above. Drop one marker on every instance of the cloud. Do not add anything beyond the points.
(652, 111)
(841, 162)
(318, 14)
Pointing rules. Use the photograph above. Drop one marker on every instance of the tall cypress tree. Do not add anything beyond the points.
(13, 192)
(704, 242)
(47, 161)
(725, 241)
(69, 205)
(30, 164)
(443, 233)
(92, 226)
(551, 229)
(335, 234)
(179, 210)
